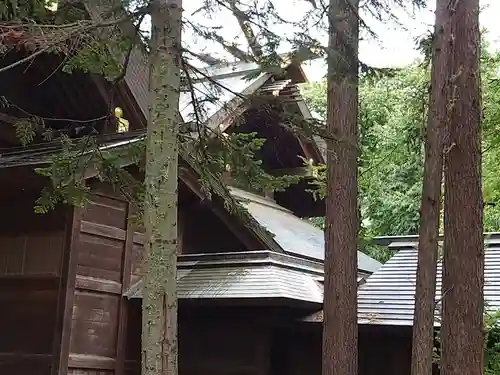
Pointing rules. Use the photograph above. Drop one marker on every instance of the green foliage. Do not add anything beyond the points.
(67, 169)
(25, 130)
(392, 120)
(490, 67)
(392, 125)
(22, 9)
(237, 154)
(66, 175)
(210, 157)
(94, 58)
(491, 344)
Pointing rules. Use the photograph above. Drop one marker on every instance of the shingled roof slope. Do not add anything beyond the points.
(388, 295)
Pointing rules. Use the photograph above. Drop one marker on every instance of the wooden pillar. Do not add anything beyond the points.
(123, 307)
(66, 293)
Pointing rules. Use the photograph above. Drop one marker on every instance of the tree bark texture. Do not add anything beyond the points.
(462, 338)
(159, 309)
(340, 329)
(430, 206)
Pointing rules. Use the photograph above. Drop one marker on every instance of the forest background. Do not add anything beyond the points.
(393, 113)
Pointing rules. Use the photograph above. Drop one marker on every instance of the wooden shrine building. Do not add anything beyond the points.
(70, 289)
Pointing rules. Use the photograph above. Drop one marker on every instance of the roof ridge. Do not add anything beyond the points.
(386, 240)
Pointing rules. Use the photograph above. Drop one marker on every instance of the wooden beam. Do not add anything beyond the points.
(106, 95)
(90, 362)
(98, 285)
(66, 295)
(121, 339)
(304, 145)
(102, 230)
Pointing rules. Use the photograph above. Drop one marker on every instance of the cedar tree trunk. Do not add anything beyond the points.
(430, 206)
(340, 329)
(463, 275)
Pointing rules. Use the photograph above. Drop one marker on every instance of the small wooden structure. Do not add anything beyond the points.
(386, 305)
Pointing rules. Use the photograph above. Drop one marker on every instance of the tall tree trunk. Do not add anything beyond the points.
(430, 206)
(463, 274)
(340, 329)
(159, 309)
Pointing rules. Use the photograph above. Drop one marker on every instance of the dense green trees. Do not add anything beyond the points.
(393, 106)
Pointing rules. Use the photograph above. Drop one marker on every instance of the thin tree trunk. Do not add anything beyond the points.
(340, 329)
(463, 275)
(430, 206)
(247, 30)
(159, 309)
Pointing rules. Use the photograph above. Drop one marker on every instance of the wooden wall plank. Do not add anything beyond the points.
(95, 320)
(103, 230)
(136, 263)
(100, 257)
(66, 293)
(31, 253)
(31, 248)
(82, 361)
(107, 211)
(25, 220)
(139, 238)
(98, 285)
(84, 371)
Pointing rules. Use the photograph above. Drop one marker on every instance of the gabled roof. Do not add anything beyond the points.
(388, 295)
(295, 236)
(230, 78)
(217, 87)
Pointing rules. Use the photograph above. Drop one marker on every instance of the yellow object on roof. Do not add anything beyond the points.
(52, 5)
(123, 124)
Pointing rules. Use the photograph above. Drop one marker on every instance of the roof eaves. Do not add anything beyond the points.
(245, 278)
(239, 258)
(224, 116)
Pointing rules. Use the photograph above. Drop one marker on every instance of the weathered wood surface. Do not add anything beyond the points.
(31, 256)
(100, 250)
